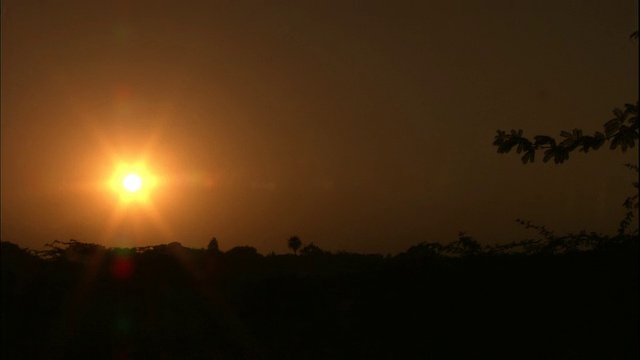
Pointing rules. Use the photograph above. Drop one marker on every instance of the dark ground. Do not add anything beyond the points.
(171, 302)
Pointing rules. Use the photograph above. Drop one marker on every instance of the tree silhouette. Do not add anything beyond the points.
(465, 246)
(621, 132)
(311, 249)
(256, 303)
(213, 247)
(294, 244)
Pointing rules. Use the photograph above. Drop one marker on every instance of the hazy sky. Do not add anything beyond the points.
(362, 127)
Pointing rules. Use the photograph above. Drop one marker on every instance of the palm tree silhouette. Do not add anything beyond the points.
(294, 244)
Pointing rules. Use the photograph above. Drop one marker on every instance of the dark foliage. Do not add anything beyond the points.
(621, 132)
(294, 244)
(213, 248)
(556, 297)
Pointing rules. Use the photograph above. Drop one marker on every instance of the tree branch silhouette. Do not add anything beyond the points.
(621, 132)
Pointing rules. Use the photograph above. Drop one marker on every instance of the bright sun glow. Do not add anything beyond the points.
(132, 182)
(135, 189)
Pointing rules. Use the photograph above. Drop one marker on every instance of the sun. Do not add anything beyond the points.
(132, 182)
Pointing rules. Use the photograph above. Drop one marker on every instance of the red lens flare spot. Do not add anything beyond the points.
(122, 268)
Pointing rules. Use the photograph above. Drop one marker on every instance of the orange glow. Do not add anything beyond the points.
(133, 183)
(136, 186)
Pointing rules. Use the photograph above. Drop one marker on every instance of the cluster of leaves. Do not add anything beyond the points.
(621, 132)
(630, 204)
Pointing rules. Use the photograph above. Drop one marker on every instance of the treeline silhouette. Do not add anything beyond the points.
(558, 297)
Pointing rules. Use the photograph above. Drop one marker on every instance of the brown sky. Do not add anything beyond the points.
(363, 127)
